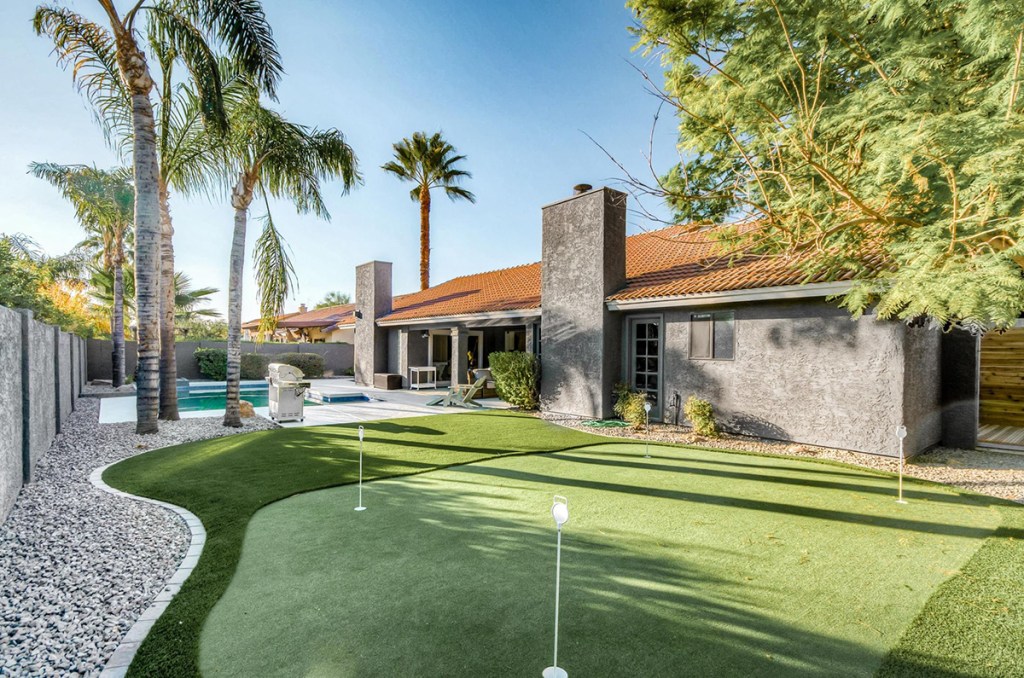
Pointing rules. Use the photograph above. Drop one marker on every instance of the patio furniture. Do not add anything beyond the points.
(461, 395)
(387, 382)
(490, 389)
(422, 377)
(442, 368)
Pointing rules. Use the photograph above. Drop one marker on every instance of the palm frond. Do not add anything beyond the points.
(90, 51)
(176, 31)
(275, 276)
(242, 28)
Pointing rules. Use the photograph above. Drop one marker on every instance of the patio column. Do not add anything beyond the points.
(460, 346)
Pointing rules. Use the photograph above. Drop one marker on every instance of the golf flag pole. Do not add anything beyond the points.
(647, 422)
(901, 433)
(360, 507)
(560, 512)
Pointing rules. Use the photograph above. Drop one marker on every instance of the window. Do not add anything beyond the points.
(712, 336)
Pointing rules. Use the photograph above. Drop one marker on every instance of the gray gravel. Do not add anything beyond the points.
(997, 474)
(77, 565)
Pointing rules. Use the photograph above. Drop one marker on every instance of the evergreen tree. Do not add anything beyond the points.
(880, 140)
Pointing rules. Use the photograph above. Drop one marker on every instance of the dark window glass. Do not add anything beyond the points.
(641, 330)
(652, 331)
(641, 364)
(725, 336)
(641, 381)
(652, 364)
(700, 335)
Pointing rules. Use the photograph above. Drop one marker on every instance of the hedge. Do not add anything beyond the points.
(515, 376)
(213, 363)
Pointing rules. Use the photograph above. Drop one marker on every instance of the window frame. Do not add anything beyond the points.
(714, 318)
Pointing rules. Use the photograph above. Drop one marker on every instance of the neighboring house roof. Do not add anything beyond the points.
(327, 317)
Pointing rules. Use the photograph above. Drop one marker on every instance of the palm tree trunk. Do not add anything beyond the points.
(117, 329)
(168, 360)
(424, 237)
(135, 72)
(240, 199)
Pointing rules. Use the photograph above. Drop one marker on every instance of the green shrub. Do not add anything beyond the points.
(515, 377)
(311, 364)
(701, 416)
(254, 365)
(629, 405)
(213, 363)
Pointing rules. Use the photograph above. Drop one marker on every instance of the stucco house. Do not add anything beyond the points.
(331, 324)
(661, 312)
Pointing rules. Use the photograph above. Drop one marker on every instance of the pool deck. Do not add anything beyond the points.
(384, 405)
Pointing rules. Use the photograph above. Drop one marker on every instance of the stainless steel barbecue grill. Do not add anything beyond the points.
(287, 392)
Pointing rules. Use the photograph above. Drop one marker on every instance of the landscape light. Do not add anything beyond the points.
(560, 512)
(360, 507)
(647, 422)
(901, 433)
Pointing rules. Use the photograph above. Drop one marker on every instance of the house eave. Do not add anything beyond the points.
(463, 318)
(808, 291)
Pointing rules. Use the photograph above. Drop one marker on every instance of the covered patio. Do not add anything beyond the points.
(440, 355)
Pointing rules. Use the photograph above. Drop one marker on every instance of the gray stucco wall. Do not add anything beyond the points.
(40, 420)
(922, 388)
(583, 261)
(65, 372)
(804, 371)
(10, 410)
(373, 300)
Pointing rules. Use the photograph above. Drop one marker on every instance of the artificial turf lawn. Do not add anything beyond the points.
(225, 480)
(684, 597)
(688, 563)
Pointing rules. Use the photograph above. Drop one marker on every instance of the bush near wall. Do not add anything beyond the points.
(213, 363)
(515, 377)
(311, 364)
(629, 405)
(254, 365)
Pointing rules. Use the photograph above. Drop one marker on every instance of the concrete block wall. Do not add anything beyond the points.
(337, 357)
(10, 409)
(42, 372)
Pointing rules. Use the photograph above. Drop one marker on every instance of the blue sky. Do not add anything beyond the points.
(514, 86)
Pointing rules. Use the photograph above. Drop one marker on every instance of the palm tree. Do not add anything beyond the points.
(109, 65)
(428, 162)
(104, 205)
(189, 301)
(334, 299)
(268, 156)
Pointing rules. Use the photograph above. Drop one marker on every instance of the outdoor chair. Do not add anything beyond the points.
(461, 395)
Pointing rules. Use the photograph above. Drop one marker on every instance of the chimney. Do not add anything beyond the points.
(302, 308)
(583, 261)
(372, 301)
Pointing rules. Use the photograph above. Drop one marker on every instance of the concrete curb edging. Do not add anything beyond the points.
(117, 665)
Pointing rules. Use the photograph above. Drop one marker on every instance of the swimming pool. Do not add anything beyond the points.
(198, 401)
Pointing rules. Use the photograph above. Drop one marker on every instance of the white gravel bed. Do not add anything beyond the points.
(993, 473)
(78, 566)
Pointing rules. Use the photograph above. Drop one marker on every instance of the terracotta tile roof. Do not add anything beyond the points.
(318, 317)
(510, 289)
(255, 324)
(673, 261)
(681, 260)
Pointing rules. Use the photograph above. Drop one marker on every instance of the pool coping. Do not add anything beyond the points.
(118, 663)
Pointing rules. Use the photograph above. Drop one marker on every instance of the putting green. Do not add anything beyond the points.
(692, 562)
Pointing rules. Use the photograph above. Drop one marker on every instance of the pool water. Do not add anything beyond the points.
(217, 400)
